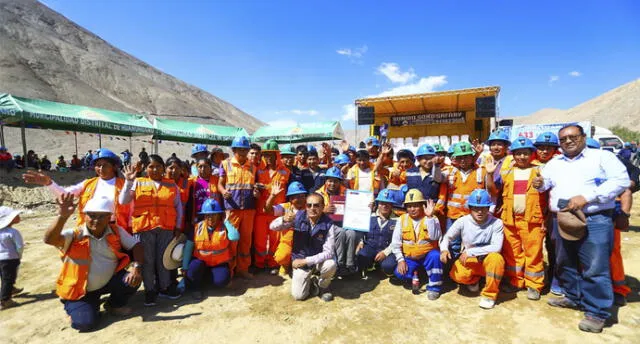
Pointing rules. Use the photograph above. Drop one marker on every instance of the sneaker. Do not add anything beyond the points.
(343, 271)
(6, 304)
(325, 295)
(509, 288)
(314, 289)
(619, 300)
(171, 293)
(16, 291)
(395, 280)
(557, 290)
(273, 271)
(433, 295)
(562, 302)
(533, 294)
(591, 324)
(150, 299)
(486, 303)
(474, 288)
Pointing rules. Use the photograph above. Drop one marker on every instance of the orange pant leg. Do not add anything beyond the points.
(274, 241)
(468, 273)
(493, 266)
(617, 266)
(282, 256)
(243, 247)
(260, 238)
(533, 241)
(513, 252)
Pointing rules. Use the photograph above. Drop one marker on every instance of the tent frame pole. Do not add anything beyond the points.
(24, 141)
(75, 138)
(2, 135)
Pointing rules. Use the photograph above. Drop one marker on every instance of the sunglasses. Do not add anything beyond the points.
(573, 138)
(97, 216)
(314, 205)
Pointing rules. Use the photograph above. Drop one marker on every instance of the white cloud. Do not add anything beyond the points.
(298, 112)
(353, 54)
(575, 74)
(349, 112)
(393, 73)
(283, 123)
(428, 84)
(553, 79)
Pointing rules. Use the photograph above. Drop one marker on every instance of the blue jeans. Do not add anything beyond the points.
(455, 245)
(366, 259)
(583, 267)
(220, 274)
(432, 266)
(84, 312)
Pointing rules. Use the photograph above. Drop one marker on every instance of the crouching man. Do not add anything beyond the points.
(312, 252)
(482, 236)
(93, 262)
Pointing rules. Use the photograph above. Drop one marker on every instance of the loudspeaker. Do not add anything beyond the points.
(506, 123)
(486, 107)
(366, 115)
(478, 124)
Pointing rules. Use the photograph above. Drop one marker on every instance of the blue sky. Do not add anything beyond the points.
(307, 61)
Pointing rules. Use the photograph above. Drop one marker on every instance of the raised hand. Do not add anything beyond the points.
(386, 148)
(429, 207)
(344, 146)
(490, 165)
(130, 172)
(477, 146)
(65, 204)
(36, 177)
(276, 188)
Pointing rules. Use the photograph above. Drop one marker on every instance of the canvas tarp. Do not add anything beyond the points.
(171, 130)
(304, 132)
(43, 114)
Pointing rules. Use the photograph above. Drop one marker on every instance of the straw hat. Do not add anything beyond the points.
(172, 257)
(7, 215)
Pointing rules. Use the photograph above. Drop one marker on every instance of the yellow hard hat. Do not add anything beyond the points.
(414, 196)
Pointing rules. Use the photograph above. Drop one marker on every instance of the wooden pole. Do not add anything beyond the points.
(75, 137)
(130, 145)
(1, 135)
(100, 140)
(24, 142)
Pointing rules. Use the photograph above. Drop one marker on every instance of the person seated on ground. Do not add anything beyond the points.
(312, 252)
(376, 248)
(11, 247)
(18, 162)
(61, 164)
(211, 249)
(482, 236)
(45, 163)
(94, 262)
(286, 212)
(6, 160)
(31, 160)
(76, 164)
(415, 243)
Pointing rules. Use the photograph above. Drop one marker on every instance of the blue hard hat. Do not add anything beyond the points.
(385, 195)
(104, 153)
(341, 159)
(240, 142)
(296, 188)
(3, 148)
(198, 148)
(627, 144)
(211, 206)
(333, 172)
(547, 139)
(593, 143)
(499, 135)
(311, 149)
(451, 149)
(522, 143)
(373, 141)
(479, 198)
(425, 149)
(352, 149)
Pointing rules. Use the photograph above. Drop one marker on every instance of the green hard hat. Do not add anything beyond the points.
(287, 150)
(462, 149)
(270, 146)
(439, 149)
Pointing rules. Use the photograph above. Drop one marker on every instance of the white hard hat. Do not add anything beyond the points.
(99, 205)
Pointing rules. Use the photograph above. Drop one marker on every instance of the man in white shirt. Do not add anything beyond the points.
(588, 180)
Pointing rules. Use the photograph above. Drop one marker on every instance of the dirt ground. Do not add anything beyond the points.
(263, 311)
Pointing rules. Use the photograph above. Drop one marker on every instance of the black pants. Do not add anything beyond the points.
(8, 275)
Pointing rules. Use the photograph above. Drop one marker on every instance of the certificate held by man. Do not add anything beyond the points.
(357, 214)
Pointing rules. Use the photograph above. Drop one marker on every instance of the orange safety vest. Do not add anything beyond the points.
(536, 202)
(73, 278)
(212, 249)
(184, 185)
(264, 177)
(454, 192)
(375, 178)
(89, 188)
(153, 207)
(325, 195)
(287, 235)
(413, 246)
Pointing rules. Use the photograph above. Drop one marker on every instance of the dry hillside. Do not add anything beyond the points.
(620, 106)
(45, 55)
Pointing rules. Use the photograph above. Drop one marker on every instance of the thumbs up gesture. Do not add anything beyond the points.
(538, 181)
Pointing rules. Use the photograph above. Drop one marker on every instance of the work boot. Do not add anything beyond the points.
(16, 291)
(486, 303)
(314, 289)
(562, 302)
(150, 299)
(474, 288)
(533, 294)
(170, 293)
(509, 288)
(619, 300)
(433, 295)
(591, 324)
(325, 295)
(118, 311)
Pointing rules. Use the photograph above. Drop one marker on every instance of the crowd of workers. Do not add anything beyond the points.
(482, 219)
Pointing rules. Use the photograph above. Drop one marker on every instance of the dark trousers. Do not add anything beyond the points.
(8, 275)
(366, 259)
(84, 312)
(220, 274)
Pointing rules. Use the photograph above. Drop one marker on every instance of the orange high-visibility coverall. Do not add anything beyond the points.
(264, 240)
(492, 266)
(617, 267)
(523, 233)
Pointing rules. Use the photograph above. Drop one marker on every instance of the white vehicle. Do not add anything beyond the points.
(607, 139)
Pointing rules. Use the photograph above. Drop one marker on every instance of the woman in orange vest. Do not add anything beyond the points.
(523, 214)
(212, 249)
(83, 279)
(106, 184)
(156, 219)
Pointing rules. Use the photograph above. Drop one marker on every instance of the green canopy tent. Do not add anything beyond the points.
(304, 132)
(43, 114)
(170, 130)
